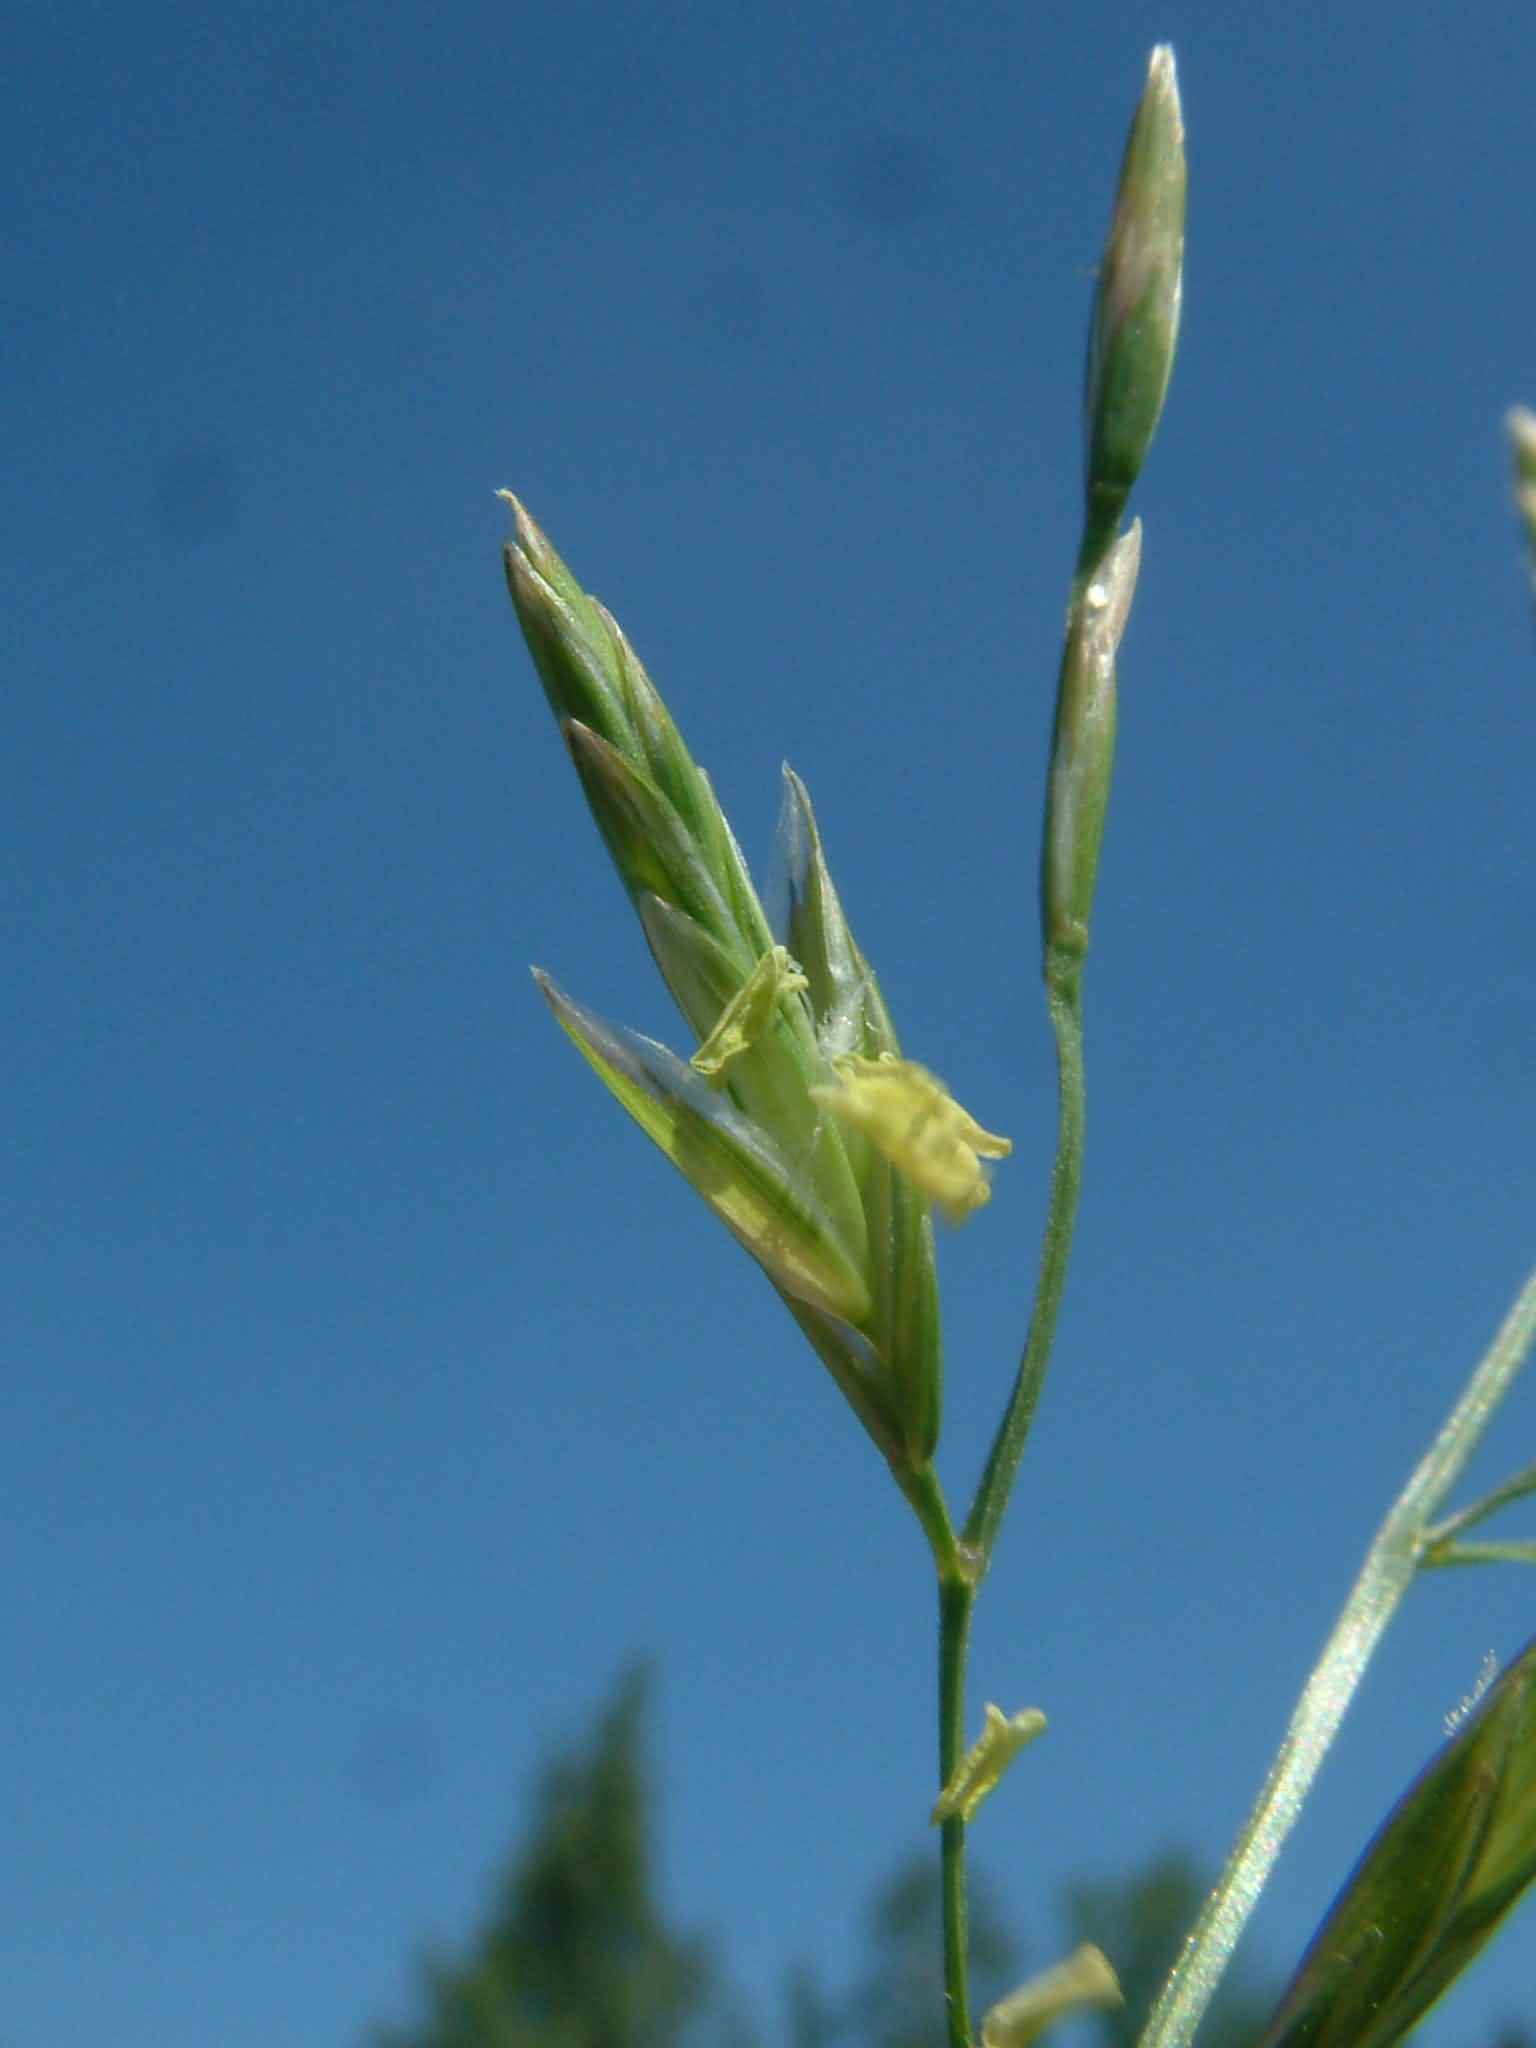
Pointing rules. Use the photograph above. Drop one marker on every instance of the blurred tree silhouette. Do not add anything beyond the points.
(575, 1951)
(899, 1994)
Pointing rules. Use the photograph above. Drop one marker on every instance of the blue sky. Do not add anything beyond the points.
(373, 1391)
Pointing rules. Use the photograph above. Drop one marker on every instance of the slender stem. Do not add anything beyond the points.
(961, 1573)
(1389, 1567)
(1066, 897)
(921, 1487)
(1517, 1487)
(981, 1527)
(957, 1596)
(1449, 1553)
(960, 1581)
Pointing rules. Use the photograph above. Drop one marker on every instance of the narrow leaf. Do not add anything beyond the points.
(1447, 1865)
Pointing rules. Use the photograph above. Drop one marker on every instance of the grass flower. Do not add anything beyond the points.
(795, 1118)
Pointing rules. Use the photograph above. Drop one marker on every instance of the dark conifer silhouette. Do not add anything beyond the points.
(575, 1952)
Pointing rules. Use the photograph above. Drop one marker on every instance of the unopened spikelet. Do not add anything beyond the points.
(1136, 309)
(1083, 756)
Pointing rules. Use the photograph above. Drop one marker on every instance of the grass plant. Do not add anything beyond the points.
(825, 1149)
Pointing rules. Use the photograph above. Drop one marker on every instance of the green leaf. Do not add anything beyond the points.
(1447, 1865)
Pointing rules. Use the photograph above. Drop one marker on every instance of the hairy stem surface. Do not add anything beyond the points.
(1390, 1564)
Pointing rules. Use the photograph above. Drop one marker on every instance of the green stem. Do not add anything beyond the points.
(1389, 1567)
(1515, 1551)
(982, 1524)
(957, 1596)
(961, 1573)
(962, 1570)
(922, 1488)
(1514, 1488)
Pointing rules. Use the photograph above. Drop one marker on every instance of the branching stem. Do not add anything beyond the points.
(1390, 1564)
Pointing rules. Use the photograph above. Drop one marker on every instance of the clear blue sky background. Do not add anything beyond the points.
(371, 1389)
